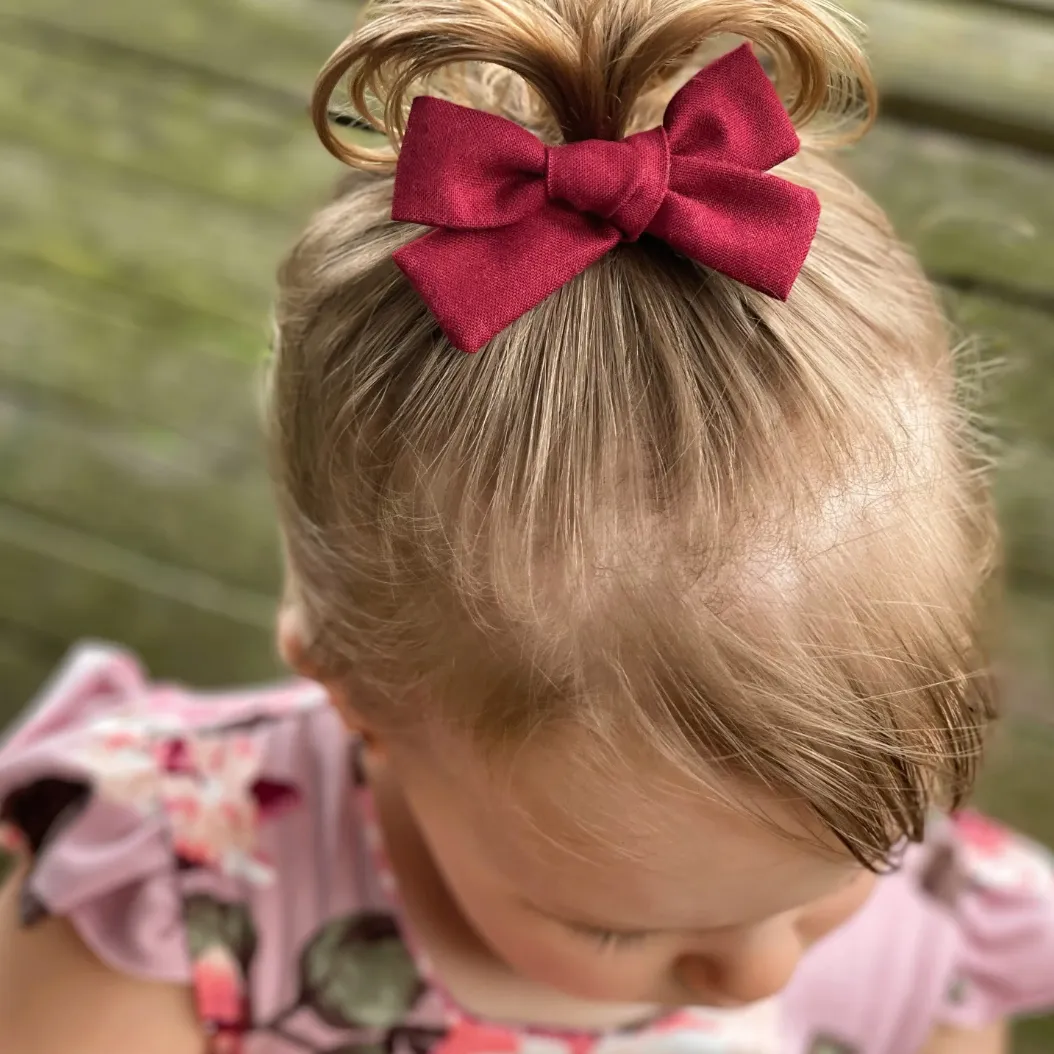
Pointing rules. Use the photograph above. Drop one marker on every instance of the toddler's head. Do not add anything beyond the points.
(664, 610)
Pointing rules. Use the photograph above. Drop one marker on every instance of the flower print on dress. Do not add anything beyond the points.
(358, 980)
(219, 988)
(121, 757)
(215, 801)
(998, 859)
(468, 1037)
(222, 941)
(474, 1037)
(209, 788)
(356, 972)
(752, 1030)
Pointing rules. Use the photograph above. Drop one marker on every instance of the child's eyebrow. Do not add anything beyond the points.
(580, 922)
(712, 926)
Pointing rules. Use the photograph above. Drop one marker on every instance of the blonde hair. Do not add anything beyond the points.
(660, 507)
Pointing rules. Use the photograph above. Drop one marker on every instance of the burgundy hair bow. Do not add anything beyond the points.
(518, 219)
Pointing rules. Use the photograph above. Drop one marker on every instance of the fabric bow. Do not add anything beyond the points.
(518, 219)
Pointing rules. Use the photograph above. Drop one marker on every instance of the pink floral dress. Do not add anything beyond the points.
(227, 842)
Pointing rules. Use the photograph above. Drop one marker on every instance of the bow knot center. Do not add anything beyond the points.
(622, 182)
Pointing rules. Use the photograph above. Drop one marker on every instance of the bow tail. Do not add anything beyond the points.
(752, 226)
(477, 282)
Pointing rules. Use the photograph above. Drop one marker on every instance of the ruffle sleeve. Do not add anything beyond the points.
(1001, 889)
(80, 797)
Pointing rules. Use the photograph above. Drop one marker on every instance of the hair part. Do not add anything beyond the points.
(660, 506)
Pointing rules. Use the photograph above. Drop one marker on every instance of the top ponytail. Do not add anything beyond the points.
(588, 66)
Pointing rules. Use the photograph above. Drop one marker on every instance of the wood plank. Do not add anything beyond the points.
(983, 213)
(259, 44)
(976, 212)
(185, 133)
(117, 356)
(1021, 343)
(174, 496)
(970, 209)
(994, 66)
(992, 62)
(959, 200)
(183, 502)
(1028, 660)
(1016, 785)
(143, 489)
(70, 586)
(209, 256)
(1023, 492)
(1033, 7)
(1021, 394)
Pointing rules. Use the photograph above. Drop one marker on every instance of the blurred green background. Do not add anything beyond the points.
(155, 158)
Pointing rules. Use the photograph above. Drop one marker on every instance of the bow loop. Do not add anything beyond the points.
(516, 220)
(623, 183)
(730, 111)
(464, 169)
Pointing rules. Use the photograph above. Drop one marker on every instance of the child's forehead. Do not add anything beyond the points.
(554, 825)
(568, 787)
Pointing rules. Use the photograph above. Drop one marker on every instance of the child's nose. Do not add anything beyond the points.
(756, 968)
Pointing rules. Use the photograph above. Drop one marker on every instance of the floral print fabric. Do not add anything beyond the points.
(208, 787)
(233, 848)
